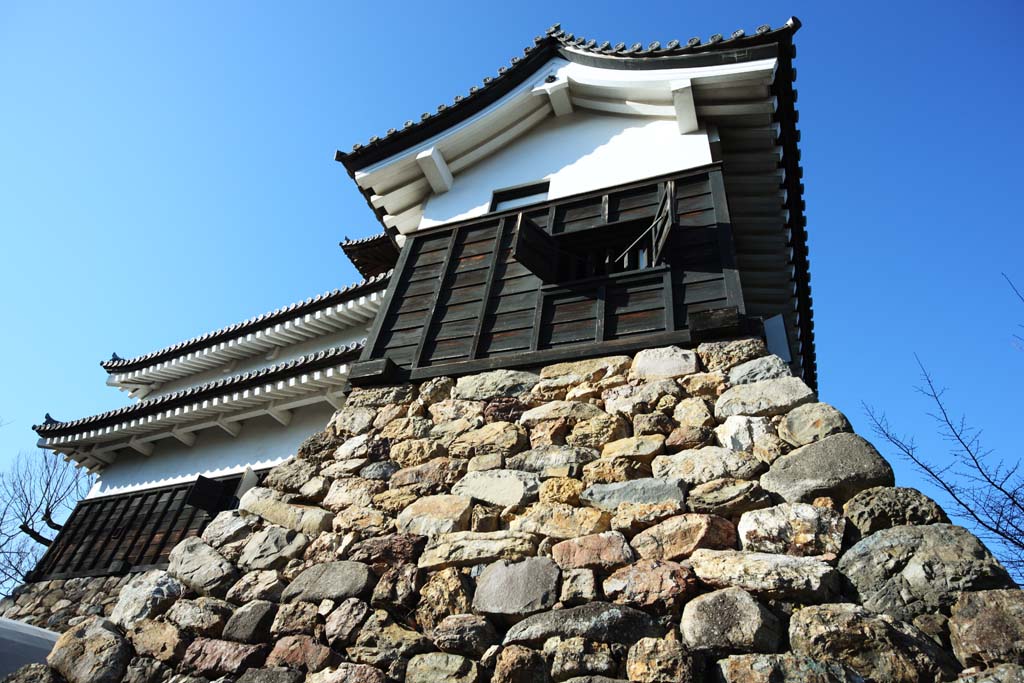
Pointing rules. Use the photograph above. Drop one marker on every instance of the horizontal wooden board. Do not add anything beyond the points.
(640, 321)
(509, 321)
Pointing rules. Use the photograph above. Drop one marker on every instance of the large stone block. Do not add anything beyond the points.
(513, 590)
(838, 466)
(764, 399)
(331, 581)
(92, 651)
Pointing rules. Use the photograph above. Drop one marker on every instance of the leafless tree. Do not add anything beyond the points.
(36, 495)
(984, 490)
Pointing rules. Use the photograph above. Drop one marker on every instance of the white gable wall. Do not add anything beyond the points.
(577, 152)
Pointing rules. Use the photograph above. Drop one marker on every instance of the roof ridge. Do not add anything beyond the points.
(315, 358)
(118, 364)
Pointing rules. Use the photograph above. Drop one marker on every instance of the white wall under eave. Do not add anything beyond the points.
(263, 442)
(577, 152)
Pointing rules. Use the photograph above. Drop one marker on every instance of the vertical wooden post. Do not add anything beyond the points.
(417, 357)
(492, 268)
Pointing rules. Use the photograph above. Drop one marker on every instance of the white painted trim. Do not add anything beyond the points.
(436, 170)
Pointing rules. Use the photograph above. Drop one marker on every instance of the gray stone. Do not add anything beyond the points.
(348, 673)
(579, 657)
(578, 586)
(467, 548)
(228, 527)
(572, 412)
(741, 433)
(729, 620)
(291, 475)
(512, 590)
(201, 568)
(664, 363)
(758, 369)
(210, 658)
(552, 461)
(766, 575)
(330, 581)
(787, 668)
(728, 497)
(275, 675)
(498, 383)
(267, 504)
(499, 487)
(353, 420)
(140, 670)
(765, 398)
(987, 628)
(465, 634)
(649, 490)
(145, 596)
(792, 528)
(925, 569)
(875, 646)
(812, 422)
(440, 667)
(838, 466)
(379, 470)
(702, 465)
(271, 548)
(604, 552)
(653, 660)
(1004, 673)
(598, 621)
(92, 651)
(40, 673)
(251, 622)
(377, 397)
(883, 507)
(259, 585)
(200, 617)
(722, 355)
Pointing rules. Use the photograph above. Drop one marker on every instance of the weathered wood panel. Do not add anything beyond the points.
(472, 293)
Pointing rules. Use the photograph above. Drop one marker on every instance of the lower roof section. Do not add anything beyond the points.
(276, 392)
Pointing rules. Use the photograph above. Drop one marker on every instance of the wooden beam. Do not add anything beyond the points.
(232, 428)
(187, 438)
(557, 92)
(682, 101)
(436, 170)
(282, 416)
(141, 447)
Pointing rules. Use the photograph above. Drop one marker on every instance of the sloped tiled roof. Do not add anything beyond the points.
(557, 41)
(371, 255)
(313, 361)
(117, 364)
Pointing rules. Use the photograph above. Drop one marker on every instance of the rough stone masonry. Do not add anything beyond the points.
(675, 516)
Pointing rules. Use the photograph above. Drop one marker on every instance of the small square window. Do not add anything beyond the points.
(520, 195)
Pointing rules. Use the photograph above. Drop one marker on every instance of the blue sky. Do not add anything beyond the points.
(166, 169)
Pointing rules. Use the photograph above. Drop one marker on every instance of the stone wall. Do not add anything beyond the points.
(56, 605)
(677, 516)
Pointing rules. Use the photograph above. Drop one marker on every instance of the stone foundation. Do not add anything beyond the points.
(676, 516)
(61, 603)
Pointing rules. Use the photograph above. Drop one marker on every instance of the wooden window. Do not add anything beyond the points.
(520, 195)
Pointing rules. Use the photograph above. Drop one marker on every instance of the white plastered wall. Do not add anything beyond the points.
(262, 443)
(576, 153)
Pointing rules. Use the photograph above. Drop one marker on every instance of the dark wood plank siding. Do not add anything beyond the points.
(459, 295)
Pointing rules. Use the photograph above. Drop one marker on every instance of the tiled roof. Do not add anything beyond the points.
(570, 46)
(117, 364)
(313, 361)
(371, 255)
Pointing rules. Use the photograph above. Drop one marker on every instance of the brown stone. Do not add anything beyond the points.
(561, 490)
(678, 537)
(209, 657)
(655, 660)
(416, 452)
(597, 431)
(605, 552)
(518, 664)
(259, 585)
(295, 618)
(631, 518)
(615, 469)
(660, 585)
(352, 491)
(709, 385)
(652, 423)
(503, 438)
(722, 355)
(727, 497)
(348, 673)
(445, 593)
(456, 409)
(987, 627)
(686, 438)
(407, 428)
(301, 652)
(431, 477)
(549, 433)
(160, 640)
(344, 622)
(387, 551)
(561, 521)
